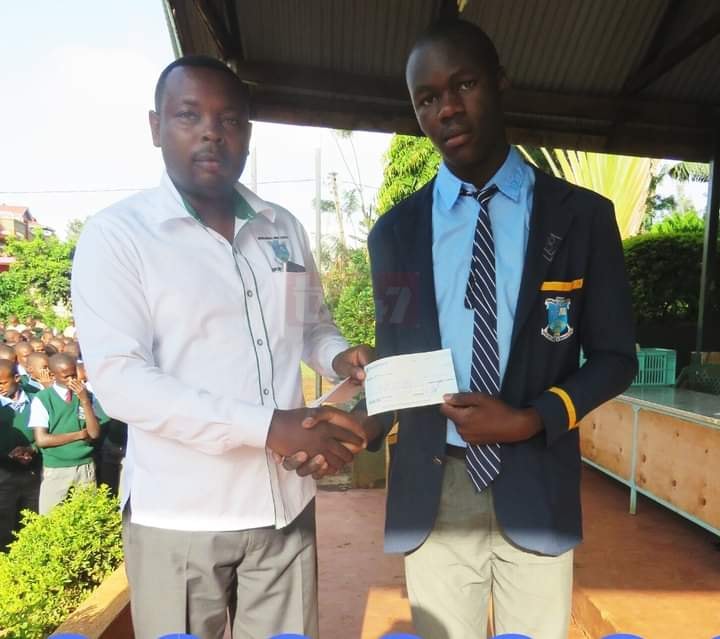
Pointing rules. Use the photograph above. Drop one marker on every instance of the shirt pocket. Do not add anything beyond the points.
(292, 290)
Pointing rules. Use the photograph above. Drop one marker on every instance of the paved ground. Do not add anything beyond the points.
(362, 590)
(653, 574)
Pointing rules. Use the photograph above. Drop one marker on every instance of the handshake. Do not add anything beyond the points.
(320, 441)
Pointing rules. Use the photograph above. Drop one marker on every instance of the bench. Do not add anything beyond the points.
(664, 443)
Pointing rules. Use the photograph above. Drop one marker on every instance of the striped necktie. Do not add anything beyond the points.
(483, 460)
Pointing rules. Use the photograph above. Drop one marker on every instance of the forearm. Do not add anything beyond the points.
(49, 440)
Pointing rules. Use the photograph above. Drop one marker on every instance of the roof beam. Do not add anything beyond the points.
(668, 60)
(309, 80)
(217, 26)
(236, 37)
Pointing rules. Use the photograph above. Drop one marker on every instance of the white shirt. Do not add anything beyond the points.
(194, 342)
(18, 404)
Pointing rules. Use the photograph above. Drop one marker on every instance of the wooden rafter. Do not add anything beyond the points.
(387, 89)
(667, 60)
(217, 25)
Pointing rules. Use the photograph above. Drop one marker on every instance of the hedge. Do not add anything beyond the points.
(664, 272)
(56, 561)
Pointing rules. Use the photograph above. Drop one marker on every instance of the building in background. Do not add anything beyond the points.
(17, 222)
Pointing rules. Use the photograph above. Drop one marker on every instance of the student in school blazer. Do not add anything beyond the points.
(573, 261)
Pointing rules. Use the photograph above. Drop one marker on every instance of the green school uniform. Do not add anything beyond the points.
(67, 417)
(14, 432)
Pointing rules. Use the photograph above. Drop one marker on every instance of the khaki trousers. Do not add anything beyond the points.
(56, 483)
(188, 582)
(467, 561)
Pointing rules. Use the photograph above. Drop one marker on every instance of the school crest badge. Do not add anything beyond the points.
(282, 252)
(558, 328)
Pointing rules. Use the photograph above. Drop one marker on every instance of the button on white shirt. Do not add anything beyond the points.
(194, 342)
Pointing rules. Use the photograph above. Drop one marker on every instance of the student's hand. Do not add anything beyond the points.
(481, 419)
(350, 363)
(45, 377)
(317, 466)
(77, 387)
(22, 454)
(337, 435)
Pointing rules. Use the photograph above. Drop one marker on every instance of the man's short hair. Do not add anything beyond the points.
(463, 35)
(197, 61)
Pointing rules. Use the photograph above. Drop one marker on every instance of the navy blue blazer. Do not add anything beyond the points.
(574, 293)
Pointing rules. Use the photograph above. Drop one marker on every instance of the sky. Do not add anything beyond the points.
(77, 82)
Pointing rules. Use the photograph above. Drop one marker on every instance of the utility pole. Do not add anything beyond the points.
(318, 242)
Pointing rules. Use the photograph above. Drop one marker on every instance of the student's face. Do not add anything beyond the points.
(58, 344)
(457, 103)
(37, 345)
(8, 383)
(203, 130)
(36, 365)
(12, 337)
(22, 350)
(46, 338)
(8, 353)
(64, 373)
(81, 374)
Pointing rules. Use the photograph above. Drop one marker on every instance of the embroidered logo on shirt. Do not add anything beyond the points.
(558, 328)
(281, 250)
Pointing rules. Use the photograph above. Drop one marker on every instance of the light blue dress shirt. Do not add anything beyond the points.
(453, 220)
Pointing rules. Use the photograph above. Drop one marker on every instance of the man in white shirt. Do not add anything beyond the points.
(201, 274)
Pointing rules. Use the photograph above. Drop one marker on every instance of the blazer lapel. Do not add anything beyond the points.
(549, 223)
(413, 234)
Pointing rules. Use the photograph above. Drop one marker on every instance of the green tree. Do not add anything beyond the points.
(680, 222)
(410, 163)
(354, 310)
(74, 228)
(38, 280)
(624, 180)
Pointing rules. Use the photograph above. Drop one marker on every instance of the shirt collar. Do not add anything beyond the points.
(173, 205)
(509, 179)
(20, 401)
(62, 392)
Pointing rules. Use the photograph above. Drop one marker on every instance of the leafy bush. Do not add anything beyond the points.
(354, 310)
(56, 561)
(664, 272)
(688, 222)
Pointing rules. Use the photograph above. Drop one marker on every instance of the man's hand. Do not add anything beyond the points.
(22, 454)
(77, 387)
(317, 466)
(335, 434)
(351, 363)
(481, 419)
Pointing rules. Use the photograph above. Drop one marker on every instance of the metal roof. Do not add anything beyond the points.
(639, 77)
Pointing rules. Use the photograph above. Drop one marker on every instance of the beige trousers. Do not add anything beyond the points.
(188, 582)
(56, 483)
(467, 561)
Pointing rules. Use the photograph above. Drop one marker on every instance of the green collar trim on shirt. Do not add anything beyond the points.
(241, 209)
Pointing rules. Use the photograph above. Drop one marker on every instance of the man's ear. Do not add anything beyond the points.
(154, 120)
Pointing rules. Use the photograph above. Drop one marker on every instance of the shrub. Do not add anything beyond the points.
(56, 561)
(664, 272)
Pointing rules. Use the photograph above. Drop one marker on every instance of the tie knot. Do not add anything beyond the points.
(483, 196)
